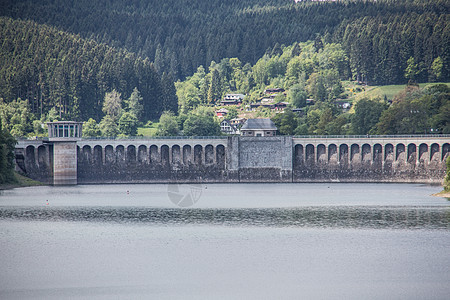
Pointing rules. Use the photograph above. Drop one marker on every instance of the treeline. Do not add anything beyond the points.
(414, 111)
(180, 35)
(54, 69)
(381, 48)
(7, 144)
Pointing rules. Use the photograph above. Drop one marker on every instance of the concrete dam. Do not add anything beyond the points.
(419, 159)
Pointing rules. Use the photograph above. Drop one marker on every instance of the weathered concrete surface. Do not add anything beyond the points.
(265, 159)
(244, 159)
(65, 163)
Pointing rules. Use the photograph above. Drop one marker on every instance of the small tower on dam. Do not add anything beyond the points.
(64, 135)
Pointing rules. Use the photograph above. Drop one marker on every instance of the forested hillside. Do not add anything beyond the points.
(51, 68)
(180, 35)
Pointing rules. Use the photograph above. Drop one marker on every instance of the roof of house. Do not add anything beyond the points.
(254, 124)
(222, 110)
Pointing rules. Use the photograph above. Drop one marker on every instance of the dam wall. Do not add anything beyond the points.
(418, 159)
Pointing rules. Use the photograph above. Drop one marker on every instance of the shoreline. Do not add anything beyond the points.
(21, 181)
(442, 194)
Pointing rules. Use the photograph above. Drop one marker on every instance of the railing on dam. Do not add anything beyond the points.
(398, 136)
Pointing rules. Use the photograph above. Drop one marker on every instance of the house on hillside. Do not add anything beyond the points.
(258, 127)
(228, 128)
(310, 101)
(221, 113)
(238, 122)
(343, 104)
(232, 99)
(273, 91)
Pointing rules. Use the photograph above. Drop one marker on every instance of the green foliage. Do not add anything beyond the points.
(16, 117)
(286, 123)
(417, 111)
(297, 96)
(53, 115)
(232, 112)
(134, 104)
(366, 116)
(447, 175)
(379, 36)
(201, 122)
(91, 128)
(437, 69)
(412, 69)
(55, 69)
(168, 125)
(128, 124)
(7, 144)
(108, 127)
(112, 105)
(38, 128)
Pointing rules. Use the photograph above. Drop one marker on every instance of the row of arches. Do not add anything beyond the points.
(38, 157)
(410, 153)
(153, 155)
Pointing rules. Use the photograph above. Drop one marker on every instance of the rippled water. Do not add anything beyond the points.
(246, 241)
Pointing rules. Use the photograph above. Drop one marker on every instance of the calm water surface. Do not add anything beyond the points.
(237, 241)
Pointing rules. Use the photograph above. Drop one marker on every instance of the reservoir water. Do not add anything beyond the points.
(225, 241)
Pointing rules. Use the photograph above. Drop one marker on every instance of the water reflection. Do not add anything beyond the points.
(322, 217)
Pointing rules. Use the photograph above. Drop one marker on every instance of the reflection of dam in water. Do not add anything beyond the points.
(238, 159)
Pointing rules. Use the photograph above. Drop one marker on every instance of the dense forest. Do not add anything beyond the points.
(113, 63)
(180, 35)
(54, 69)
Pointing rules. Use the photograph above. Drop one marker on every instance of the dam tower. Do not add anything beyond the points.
(63, 135)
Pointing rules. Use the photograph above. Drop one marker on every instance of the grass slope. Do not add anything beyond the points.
(389, 91)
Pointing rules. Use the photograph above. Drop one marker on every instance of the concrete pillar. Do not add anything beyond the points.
(65, 163)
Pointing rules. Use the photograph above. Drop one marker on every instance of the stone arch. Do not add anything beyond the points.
(423, 150)
(399, 150)
(176, 154)
(198, 153)
(30, 156)
(412, 153)
(165, 155)
(131, 154)
(298, 155)
(366, 152)
(435, 148)
(354, 152)
(389, 152)
(209, 154)
(155, 157)
(343, 153)
(220, 156)
(43, 157)
(187, 155)
(332, 153)
(97, 155)
(142, 156)
(120, 154)
(377, 153)
(87, 154)
(445, 151)
(321, 153)
(309, 153)
(110, 156)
